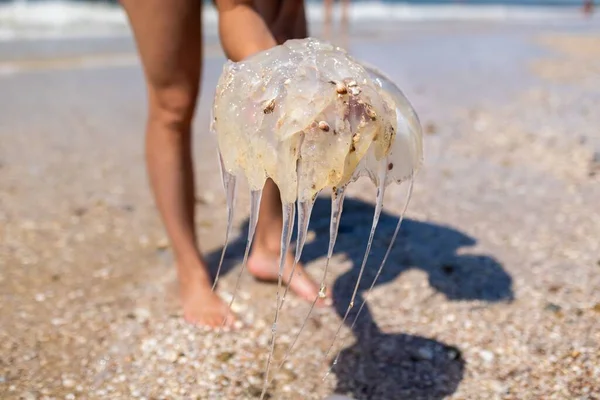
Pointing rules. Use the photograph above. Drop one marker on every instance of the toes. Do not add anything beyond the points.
(217, 321)
(230, 320)
(223, 321)
(237, 324)
(324, 302)
(304, 287)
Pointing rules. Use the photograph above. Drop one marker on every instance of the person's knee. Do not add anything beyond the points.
(173, 106)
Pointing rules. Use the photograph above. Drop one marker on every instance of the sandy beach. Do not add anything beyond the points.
(491, 292)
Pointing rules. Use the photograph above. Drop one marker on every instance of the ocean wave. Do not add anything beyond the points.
(21, 19)
(52, 19)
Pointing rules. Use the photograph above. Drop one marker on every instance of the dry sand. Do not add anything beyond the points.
(492, 291)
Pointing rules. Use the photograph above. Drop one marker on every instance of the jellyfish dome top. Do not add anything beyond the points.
(309, 116)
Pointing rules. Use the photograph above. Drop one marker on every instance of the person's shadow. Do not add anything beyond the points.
(395, 366)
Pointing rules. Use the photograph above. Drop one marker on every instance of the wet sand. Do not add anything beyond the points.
(492, 291)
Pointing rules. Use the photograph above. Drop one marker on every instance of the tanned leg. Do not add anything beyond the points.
(168, 36)
(345, 16)
(327, 23)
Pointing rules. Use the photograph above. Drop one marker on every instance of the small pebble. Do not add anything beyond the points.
(486, 356)
(28, 396)
(144, 240)
(162, 244)
(425, 353)
(225, 356)
(555, 308)
(452, 354)
(141, 314)
(68, 382)
(171, 356)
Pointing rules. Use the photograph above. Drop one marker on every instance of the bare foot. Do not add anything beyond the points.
(202, 306)
(263, 263)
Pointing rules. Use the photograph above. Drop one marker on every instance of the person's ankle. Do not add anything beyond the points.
(269, 244)
(192, 267)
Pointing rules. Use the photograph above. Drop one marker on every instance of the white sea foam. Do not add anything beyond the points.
(450, 12)
(60, 19)
(22, 20)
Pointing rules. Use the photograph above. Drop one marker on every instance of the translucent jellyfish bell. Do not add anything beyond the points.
(309, 116)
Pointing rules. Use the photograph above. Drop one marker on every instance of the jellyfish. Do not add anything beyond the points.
(310, 117)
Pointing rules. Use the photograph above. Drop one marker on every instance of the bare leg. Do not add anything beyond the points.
(328, 4)
(168, 36)
(345, 24)
(263, 261)
(345, 9)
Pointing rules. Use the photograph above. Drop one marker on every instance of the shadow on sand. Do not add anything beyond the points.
(396, 366)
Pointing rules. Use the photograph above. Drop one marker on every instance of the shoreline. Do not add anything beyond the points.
(64, 20)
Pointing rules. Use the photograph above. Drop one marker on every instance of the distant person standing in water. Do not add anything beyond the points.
(328, 15)
(588, 7)
(168, 37)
